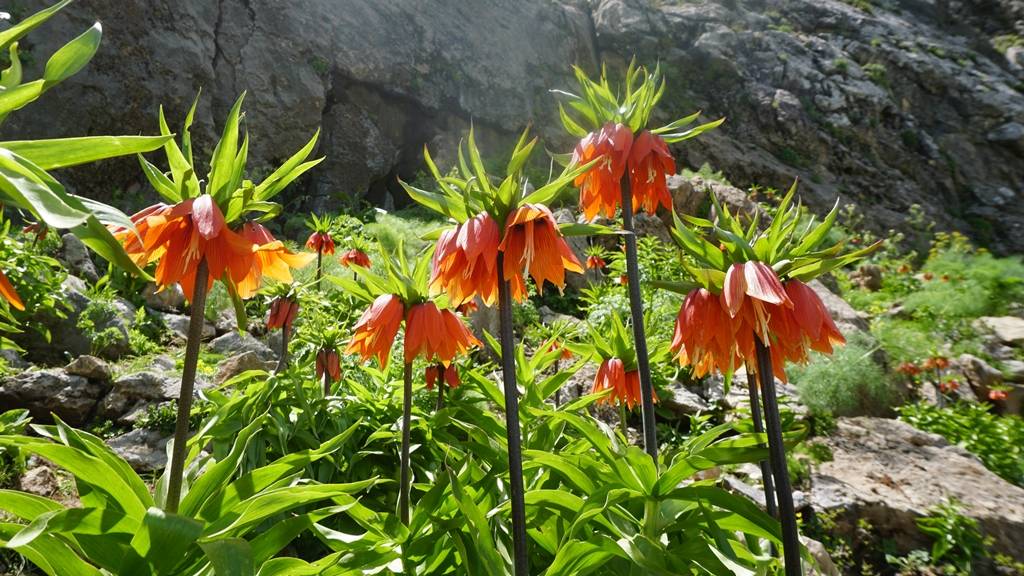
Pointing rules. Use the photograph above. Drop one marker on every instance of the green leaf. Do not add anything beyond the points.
(288, 171)
(51, 554)
(218, 475)
(26, 506)
(28, 24)
(11, 76)
(66, 152)
(161, 543)
(230, 557)
(223, 162)
(576, 229)
(17, 97)
(73, 56)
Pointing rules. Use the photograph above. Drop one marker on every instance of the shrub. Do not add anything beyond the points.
(847, 383)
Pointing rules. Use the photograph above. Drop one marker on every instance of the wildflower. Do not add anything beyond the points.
(566, 354)
(8, 292)
(749, 288)
(928, 276)
(595, 262)
(183, 235)
(948, 387)
(904, 268)
(449, 373)
(996, 395)
(809, 322)
(435, 333)
(38, 228)
(283, 311)
(355, 256)
(273, 259)
(936, 363)
(908, 368)
(465, 262)
(600, 189)
(622, 280)
(328, 362)
(625, 384)
(377, 327)
(533, 244)
(320, 242)
(649, 163)
(467, 308)
(705, 335)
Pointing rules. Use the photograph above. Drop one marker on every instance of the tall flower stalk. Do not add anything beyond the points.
(320, 241)
(503, 234)
(631, 164)
(209, 231)
(747, 303)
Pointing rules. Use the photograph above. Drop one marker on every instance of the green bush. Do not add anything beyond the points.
(997, 440)
(847, 383)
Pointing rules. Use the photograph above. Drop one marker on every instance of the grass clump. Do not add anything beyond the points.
(847, 383)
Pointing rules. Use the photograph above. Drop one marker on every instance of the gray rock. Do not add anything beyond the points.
(40, 480)
(13, 359)
(889, 473)
(1013, 371)
(177, 325)
(72, 398)
(1009, 133)
(236, 343)
(144, 450)
(242, 362)
(168, 299)
(129, 395)
(1008, 329)
(75, 257)
(89, 367)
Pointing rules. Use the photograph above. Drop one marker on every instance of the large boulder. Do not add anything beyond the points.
(144, 450)
(891, 474)
(72, 398)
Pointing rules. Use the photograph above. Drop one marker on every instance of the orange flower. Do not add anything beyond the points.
(182, 235)
(435, 333)
(320, 242)
(449, 373)
(749, 288)
(815, 328)
(595, 262)
(566, 354)
(625, 385)
(8, 292)
(133, 241)
(467, 308)
(355, 256)
(533, 244)
(649, 163)
(995, 395)
(282, 313)
(272, 259)
(908, 368)
(328, 362)
(376, 330)
(705, 335)
(465, 263)
(600, 186)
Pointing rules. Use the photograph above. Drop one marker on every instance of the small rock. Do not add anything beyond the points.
(685, 402)
(235, 365)
(71, 398)
(868, 277)
(13, 359)
(1013, 371)
(178, 324)
(134, 391)
(168, 299)
(41, 481)
(75, 257)
(979, 374)
(1008, 329)
(236, 343)
(1008, 133)
(89, 367)
(144, 450)
(823, 564)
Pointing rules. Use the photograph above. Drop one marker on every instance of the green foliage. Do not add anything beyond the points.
(958, 539)
(707, 173)
(847, 383)
(1004, 42)
(877, 73)
(36, 276)
(98, 323)
(997, 440)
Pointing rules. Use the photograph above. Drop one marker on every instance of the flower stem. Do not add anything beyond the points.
(777, 457)
(405, 483)
(282, 360)
(440, 389)
(319, 267)
(622, 422)
(520, 556)
(188, 381)
(636, 310)
(766, 467)
(241, 318)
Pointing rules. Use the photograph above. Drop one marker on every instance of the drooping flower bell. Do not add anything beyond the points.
(435, 334)
(465, 263)
(273, 259)
(283, 311)
(375, 331)
(564, 352)
(704, 336)
(600, 186)
(355, 256)
(997, 395)
(650, 163)
(534, 245)
(8, 293)
(449, 374)
(624, 384)
(595, 262)
(328, 362)
(320, 242)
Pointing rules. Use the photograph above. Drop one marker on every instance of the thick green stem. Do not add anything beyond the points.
(651, 508)
(622, 422)
(282, 359)
(319, 267)
(777, 457)
(188, 381)
(636, 310)
(405, 487)
(520, 555)
(766, 467)
(440, 386)
(241, 318)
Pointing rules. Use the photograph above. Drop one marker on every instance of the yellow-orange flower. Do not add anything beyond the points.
(355, 256)
(320, 242)
(376, 330)
(625, 385)
(273, 259)
(595, 262)
(8, 292)
(465, 263)
(650, 163)
(184, 234)
(534, 245)
(705, 335)
(435, 334)
(600, 186)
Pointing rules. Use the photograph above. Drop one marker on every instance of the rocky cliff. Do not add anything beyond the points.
(885, 103)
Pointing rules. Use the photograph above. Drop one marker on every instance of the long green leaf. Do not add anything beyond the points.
(73, 56)
(65, 152)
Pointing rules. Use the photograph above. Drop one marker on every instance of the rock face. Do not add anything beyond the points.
(891, 473)
(72, 398)
(905, 102)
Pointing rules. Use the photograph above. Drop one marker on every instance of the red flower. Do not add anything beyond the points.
(749, 289)
(908, 368)
(533, 244)
(947, 387)
(649, 164)
(600, 186)
(625, 386)
(328, 362)
(282, 313)
(449, 373)
(377, 327)
(556, 345)
(705, 335)
(465, 262)
(37, 228)
(8, 292)
(467, 308)
(320, 242)
(996, 395)
(928, 275)
(623, 280)
(903, 269)
(272, 259)
(595, 262)
(435, 333)
(355, 256)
